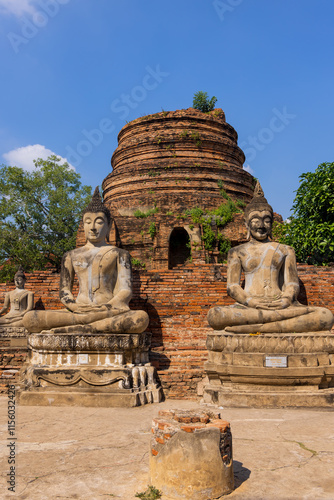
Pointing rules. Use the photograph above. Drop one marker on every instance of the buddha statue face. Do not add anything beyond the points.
(19, 281)
(260, 224)
(96, 227)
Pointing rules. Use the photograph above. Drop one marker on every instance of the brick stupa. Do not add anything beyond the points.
(165, 164)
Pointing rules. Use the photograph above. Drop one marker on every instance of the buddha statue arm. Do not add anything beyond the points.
(66, 283)
(30, 302)
(123, 285)
(234, 269)
(291, 281)
(6, 304)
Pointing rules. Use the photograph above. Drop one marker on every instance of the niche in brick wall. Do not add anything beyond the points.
(179, 247)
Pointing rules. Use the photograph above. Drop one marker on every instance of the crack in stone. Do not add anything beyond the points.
(291, 466)
(300, 443)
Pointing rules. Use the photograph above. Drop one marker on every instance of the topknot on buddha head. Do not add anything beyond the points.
(96, 205)
(257, 204)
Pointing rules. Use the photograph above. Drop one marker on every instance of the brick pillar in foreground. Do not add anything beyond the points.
(191, 455)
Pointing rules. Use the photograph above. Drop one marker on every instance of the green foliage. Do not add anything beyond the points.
(240, 203)
(142, 215)
(197, 138)
(311, 228)
(224, 244)
(151, 493)
(138, 263)
(202, 102)
(224, 194)
(40, 213)
(224, 213)
(196, 214)
(279, 230)
(208, 236)
(219, 217)
(152, 230)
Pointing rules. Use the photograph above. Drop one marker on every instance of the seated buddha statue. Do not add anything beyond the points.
(268, 301)
(105, 288)
(20, 301)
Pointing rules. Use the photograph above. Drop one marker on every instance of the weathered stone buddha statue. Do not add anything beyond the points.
(20, 301)
(104, 274)
(268, 301)
(96, 351)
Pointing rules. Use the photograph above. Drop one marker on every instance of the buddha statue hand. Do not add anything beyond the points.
(269, 304)
(113, 309)
(118, 304)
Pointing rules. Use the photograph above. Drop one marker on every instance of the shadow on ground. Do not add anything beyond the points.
(241, 474)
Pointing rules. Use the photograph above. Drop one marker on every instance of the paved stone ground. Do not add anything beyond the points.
(102, 453)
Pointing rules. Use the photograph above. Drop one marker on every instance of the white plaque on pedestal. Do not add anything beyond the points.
(83, 359)
(276, 361)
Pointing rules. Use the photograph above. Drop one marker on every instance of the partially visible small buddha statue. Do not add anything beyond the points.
(105, 287)
(19, 301)
(268, 301)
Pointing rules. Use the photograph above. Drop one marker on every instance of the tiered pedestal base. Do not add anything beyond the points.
(270, 370)
(85, 369)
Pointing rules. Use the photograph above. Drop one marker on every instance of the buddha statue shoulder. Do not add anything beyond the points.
(268, 301)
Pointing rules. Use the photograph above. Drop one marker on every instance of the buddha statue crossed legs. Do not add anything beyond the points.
(268, 302)
(104, 274)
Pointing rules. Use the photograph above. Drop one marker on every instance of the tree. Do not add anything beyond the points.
(201, 101)
(311, 228)
(39, 215)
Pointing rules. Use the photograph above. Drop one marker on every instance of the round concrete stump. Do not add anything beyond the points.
(191, 455)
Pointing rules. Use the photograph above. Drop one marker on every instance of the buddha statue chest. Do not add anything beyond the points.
(97, 274)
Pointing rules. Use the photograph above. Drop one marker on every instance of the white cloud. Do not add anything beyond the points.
(23, 157)
(248, 169)
(17, 7)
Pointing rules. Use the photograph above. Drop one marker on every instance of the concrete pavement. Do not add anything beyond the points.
(102, 453)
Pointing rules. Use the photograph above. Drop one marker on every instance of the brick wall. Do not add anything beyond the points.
(177, 302)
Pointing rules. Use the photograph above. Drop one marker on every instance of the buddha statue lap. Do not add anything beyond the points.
(268, 302)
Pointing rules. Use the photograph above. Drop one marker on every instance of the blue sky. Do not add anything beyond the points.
(74, 71)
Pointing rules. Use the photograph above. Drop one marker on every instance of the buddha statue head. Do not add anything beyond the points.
(19, 278)
(259, 216)
(96, 220)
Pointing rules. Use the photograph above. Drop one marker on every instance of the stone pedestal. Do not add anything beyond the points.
(191, 455)
(86, 369)
(270, 370)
